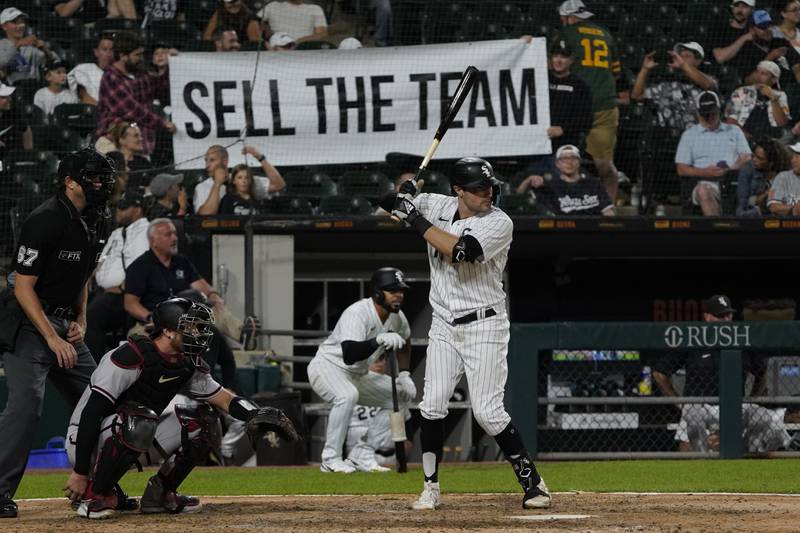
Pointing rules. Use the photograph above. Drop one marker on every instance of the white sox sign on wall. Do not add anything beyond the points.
(331, 106)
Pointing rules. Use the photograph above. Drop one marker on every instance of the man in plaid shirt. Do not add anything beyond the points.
(126, 92)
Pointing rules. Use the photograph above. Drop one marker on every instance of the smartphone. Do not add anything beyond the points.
(722, 164)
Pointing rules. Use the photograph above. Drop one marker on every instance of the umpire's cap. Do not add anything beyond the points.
(389, 279)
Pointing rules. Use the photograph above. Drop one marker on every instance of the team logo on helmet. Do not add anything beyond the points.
(399, 277)
(486, 172)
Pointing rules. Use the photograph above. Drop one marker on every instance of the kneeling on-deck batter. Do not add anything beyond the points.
(116, 419)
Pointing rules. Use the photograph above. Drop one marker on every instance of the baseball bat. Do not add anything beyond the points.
(397, 421)
(464, 86)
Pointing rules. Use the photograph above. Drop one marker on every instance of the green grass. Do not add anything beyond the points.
(774, 475)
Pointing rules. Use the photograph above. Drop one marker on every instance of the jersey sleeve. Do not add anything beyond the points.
(202, 386)
(38, 239)
(116, 372)
(404, 330)
(353, 327)
(494, 235)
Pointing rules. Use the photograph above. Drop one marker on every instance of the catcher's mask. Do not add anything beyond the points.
(94, 172)
(193, 320)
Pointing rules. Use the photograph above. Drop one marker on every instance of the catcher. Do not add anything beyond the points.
(115, 421)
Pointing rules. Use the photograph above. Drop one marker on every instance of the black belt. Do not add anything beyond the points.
(473, 316)
(66, 313)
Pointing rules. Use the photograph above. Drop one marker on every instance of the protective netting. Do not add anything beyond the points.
(645, 401)
(336, 131)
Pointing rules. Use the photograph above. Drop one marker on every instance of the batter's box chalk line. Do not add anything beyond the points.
(551, 517)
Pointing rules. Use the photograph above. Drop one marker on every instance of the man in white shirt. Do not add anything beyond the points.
(209, 192)
(106, 312)
(84, 79)
(303, 22)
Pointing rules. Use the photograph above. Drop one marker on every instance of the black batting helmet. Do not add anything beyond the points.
(475, 173)
(192, 320)
(93, 171)
(387, 279)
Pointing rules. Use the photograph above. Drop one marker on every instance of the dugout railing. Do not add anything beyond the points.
(588, 391)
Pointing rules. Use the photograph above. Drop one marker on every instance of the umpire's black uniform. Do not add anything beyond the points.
(59, 250)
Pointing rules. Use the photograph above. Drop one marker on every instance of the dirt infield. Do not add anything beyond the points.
(609, 512)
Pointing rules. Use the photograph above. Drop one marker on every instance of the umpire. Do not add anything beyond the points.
(58, 250)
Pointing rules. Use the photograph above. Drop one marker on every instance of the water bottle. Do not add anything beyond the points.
(646, 382)
(636, 195)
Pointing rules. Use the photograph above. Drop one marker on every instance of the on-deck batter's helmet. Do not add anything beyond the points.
(192, 320)
(475, 173)
(387, 279)
(93, 171)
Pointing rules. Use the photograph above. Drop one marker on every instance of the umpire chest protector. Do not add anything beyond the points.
(160, 379)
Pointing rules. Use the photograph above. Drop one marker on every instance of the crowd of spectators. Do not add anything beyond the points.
(717, 98)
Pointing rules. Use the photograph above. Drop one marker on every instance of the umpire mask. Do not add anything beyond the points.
(94, 172)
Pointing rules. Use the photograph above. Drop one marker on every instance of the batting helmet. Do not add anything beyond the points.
(475, 173)
(387, 279)
(192, 320)
(93, 171)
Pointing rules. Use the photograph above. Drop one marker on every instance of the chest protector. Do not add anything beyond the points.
(160, 380)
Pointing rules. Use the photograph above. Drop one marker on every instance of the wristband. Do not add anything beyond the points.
(241, 408)
(261, 158)
(421, 224)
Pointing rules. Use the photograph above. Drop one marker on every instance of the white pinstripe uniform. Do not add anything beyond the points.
(345, 386)
(478, 348)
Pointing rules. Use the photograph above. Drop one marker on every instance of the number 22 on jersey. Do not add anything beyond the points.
(595, 53)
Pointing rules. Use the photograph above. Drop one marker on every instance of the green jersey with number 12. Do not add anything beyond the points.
(595, 61)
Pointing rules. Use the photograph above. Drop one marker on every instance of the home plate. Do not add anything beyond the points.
(547, 517)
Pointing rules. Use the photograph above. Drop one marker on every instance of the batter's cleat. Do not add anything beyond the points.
(429, 499)
(537, 497)
(98, 506)
(338, 466)
(8, 509)
(156, 499)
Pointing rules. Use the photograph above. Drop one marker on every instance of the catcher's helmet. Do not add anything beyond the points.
(93, 171)
(192, 320)
(475, 173)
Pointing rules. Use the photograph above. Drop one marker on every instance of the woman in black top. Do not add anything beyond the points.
(234, 15)
(239, 198)
(127, 137)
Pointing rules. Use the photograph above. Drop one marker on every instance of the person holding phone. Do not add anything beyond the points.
(709, 150)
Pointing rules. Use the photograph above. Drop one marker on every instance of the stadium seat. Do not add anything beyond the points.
(114, 24)
(442, 20)
(198, 13)
(200, 46)
(58, 140)
(25, 89)
(253, 46)
(518, 204)
(289, 205)
(436, 183)
(345, 205)
(33, 115)
(705, 12)
(172, 32)
(505, 14)
(309, 185)
(63, 30)
(39, 162)
(316, 45)
(81, 118)
(370, 185)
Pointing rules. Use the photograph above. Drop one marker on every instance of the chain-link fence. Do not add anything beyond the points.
(660, 400)
(335, 131)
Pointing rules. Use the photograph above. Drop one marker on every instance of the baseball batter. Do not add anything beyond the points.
(468, 241)
(340, 375)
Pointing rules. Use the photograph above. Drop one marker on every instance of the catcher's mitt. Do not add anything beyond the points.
(268, 419)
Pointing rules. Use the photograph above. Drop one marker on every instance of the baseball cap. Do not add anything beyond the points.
(561, 47)
(707, 101)
(576, 8)
(162, 182)
(761, 19)
(771, 67)
(350, 43)
(6, 90)
(130, 199)
(11, 13)
(795, 147)
(53, 65)
(691, 45)
(280, 38)
(718, 305)
(751, 3)
(568, 150)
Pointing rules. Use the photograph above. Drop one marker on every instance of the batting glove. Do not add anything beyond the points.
(390, 341)
(408, 188)
(406, 384)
